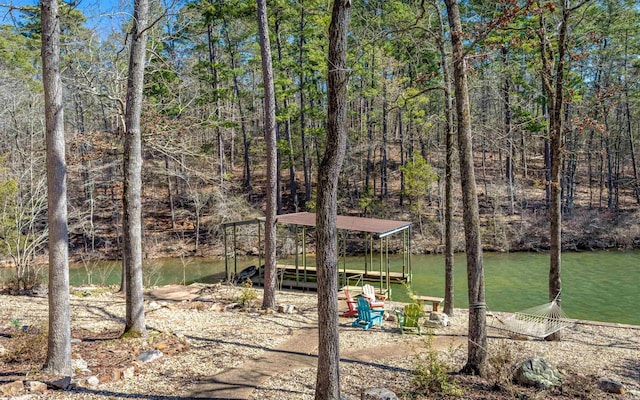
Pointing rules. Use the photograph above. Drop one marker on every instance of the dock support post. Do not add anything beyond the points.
(226, 253)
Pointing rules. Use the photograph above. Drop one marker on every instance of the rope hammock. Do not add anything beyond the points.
(540, 321)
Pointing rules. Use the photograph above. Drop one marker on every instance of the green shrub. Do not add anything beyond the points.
(248, 295)
(432, 374)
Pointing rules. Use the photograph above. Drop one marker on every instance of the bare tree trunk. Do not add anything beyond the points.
(305, 166)
(131, 197)
(477, 345)
(170, 192)
(449, 296)
(370, 153)
(328, 375)
(383, 146)
(608, 154)
(590, 165)
(243, 124)
(553, 84)
(400, 130)
(523, 155)
(269, 299)
(214, 85)
(509, 175)
(634, 163)
(59, 339)
(287, 129)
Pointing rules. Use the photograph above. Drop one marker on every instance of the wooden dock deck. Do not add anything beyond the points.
(290, 277)
(369, 276)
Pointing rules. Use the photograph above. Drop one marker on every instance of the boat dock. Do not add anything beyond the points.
(371, 235)
(305, 278)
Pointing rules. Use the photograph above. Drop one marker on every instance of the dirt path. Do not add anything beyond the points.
(300, 351)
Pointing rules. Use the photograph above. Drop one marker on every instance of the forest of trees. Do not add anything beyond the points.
(202, 124)
(139, 142)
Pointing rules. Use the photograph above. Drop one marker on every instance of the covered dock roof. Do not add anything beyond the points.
(379, 227)
(302, 275)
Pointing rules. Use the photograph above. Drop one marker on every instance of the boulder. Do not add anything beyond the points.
(150, 355)
(35, 386)
(537, 372)
(289, 309)
(437, 320)
(611, 386)
(128, 372)
(61, 384)
(93, 381)
(12, 388)
(78, 364)
(378, 394)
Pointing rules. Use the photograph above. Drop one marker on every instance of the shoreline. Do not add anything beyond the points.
(221, 337)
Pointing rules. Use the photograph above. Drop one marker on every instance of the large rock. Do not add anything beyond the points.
(150, 355)
(61, 384)
(78, 364)
(93, 381)
(537, 372)
(611, 386)
(12, 388)
(437, 320)
(378, 394)
(128, 372)
(35, 386)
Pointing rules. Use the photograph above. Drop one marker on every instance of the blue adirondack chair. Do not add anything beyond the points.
(367, 316)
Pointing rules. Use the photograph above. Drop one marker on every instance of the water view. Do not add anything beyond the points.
(599, 286)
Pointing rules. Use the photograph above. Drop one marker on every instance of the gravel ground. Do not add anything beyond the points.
(202, 333)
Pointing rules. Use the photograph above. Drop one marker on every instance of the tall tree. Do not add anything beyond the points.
(448, 189)
(477, 346)
(553, 71)
(269, 299)
(59, 341)
(328, 376)
(131, 197)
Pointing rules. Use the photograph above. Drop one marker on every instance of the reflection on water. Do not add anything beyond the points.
(600, 286)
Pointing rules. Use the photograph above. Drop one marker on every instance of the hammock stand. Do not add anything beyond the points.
(540, 321)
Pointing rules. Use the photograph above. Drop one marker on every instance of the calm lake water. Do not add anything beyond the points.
(599, 286)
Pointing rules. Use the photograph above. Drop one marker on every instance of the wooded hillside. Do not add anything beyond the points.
(202, 122)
